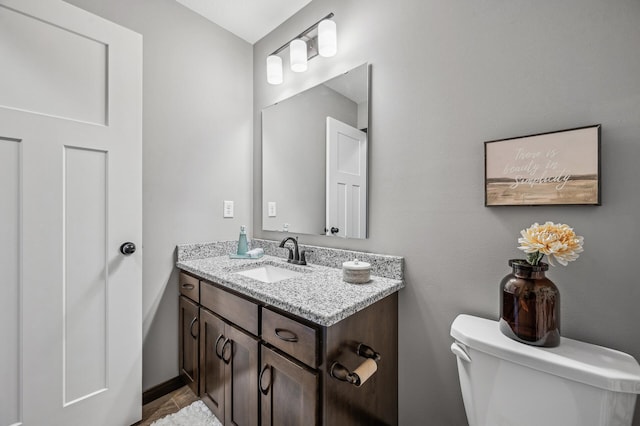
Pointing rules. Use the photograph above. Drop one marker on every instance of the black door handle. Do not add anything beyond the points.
(224, 348)
(127, 248)
(286, 335)
(264, 390)
(193, 321)
(218, 354)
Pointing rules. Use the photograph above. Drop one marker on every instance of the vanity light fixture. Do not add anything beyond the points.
(274, 69)
(327, 39)
(298, 55)
(306, 45)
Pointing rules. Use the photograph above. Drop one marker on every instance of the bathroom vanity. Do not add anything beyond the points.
(283, 349)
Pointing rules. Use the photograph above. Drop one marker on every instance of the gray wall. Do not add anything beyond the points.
(197, 136)
(447, 76)
(295, 176)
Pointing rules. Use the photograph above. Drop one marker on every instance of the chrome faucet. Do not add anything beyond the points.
(295, 256)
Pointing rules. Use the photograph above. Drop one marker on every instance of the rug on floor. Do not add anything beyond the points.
(196, 414)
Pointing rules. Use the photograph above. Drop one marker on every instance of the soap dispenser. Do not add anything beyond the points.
(243, 246)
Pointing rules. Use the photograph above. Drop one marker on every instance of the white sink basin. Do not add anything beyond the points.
(269, 273)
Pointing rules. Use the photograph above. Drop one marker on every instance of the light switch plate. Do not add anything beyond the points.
(227, 210)
(271, 207)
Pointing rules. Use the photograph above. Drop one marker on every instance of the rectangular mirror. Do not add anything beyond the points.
(314, 159)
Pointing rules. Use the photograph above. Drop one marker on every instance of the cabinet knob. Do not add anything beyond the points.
(127, 248)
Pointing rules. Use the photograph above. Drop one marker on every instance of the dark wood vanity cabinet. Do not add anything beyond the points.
(375, 402)
(189, 316)
(228, 370)
(289, 381)
(212, 372)
(229, 355)
(189, 342)
(288, 391)
(260, 366)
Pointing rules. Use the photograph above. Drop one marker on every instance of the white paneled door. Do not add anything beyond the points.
(70, 195)
(346, 180)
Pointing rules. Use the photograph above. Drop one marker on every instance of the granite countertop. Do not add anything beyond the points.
(319, 295)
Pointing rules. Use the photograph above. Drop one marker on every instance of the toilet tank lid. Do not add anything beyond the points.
(578, 361)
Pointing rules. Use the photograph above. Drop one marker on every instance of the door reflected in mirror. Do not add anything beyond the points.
(314, 159)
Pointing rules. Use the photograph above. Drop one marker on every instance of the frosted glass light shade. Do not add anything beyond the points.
(327, 38)
(298, 55)
(274, 69)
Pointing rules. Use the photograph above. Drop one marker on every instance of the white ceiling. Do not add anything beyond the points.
(248, 19)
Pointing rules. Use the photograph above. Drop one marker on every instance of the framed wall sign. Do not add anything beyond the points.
(555, 168)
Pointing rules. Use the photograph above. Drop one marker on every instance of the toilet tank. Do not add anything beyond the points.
(504, 382)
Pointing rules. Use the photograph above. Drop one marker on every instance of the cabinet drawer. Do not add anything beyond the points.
(189, 287)
(290, 336)
(235, 309)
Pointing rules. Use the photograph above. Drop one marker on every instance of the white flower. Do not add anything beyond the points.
(557, 241)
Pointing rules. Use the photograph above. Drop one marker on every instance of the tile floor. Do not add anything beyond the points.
(165, 405)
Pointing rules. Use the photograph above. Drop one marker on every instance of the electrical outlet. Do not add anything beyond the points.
(227, 210)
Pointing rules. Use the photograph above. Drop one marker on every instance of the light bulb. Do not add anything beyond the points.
(298, 55)
(274, 69)
(327, 38)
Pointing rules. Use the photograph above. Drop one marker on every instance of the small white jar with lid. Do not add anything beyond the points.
(356, 272)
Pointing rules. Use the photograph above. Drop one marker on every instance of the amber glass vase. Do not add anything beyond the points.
(530, 305)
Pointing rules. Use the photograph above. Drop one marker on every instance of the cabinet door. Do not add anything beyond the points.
(241, 373)
(288, 391)
(212, 339)
(189, 343)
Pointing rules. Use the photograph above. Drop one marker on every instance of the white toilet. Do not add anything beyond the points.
(504, 382)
